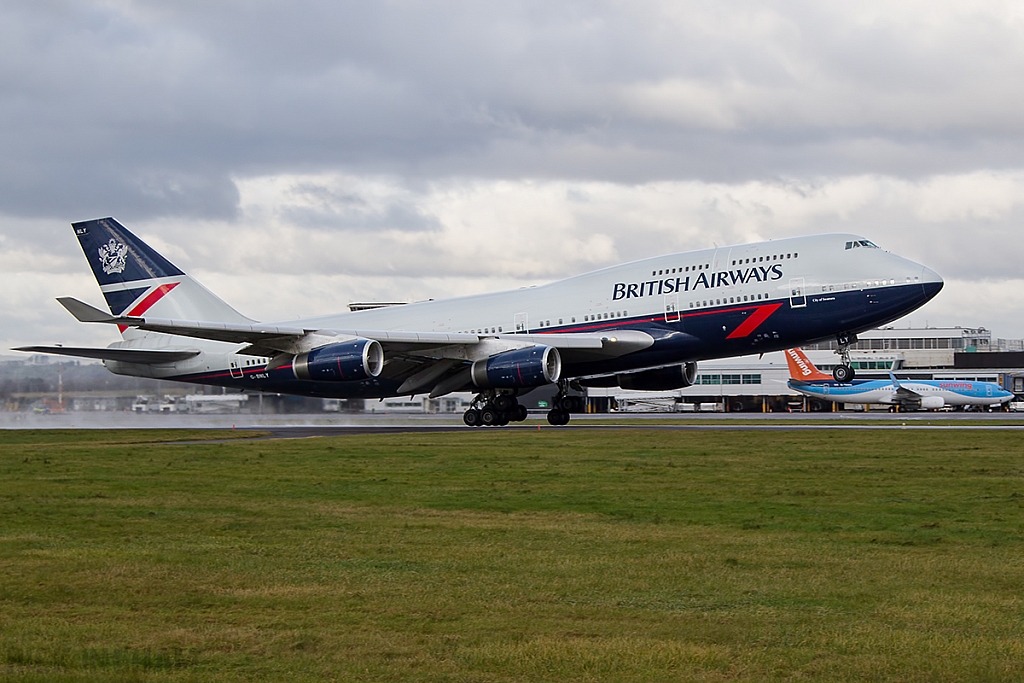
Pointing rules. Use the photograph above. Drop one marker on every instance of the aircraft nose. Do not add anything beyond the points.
(931, 282)
(930, 276)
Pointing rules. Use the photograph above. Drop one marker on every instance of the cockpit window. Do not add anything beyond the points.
(856, 244)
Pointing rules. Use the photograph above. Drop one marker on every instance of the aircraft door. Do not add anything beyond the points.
(988, 389)
(672, 308)
(522, 323)
(235, 368)
(797, 299)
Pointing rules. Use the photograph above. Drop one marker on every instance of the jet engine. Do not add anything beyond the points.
(932, 402)
(661, 379)
(530, 367)
(344, 362)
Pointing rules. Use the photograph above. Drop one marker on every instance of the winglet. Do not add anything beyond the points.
(801, 368)
(895, 382)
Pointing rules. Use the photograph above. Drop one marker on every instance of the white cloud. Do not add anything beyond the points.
(284, 260)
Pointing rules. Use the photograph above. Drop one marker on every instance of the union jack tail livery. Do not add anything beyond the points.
(801, 368)
(136, 280)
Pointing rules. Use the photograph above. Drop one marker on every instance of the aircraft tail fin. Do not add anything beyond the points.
(801, 367)
(135, 279)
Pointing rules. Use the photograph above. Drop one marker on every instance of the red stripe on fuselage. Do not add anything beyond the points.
(760, 314)
(149, 300)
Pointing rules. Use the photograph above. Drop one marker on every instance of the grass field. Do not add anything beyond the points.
(491, 555)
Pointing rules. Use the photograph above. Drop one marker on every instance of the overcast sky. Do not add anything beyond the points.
(297, 156)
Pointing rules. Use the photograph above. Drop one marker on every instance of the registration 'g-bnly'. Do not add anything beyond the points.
(642, 325)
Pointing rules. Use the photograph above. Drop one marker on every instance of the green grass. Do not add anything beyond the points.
(491, 555)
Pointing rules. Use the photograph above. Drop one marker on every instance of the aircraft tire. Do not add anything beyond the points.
(519, 413)
(471, 417)
(558, 417)
(843, 373)
(489, 416)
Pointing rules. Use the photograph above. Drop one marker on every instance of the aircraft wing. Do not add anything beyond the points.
(277, 339)
(903, 394)
(141, 356)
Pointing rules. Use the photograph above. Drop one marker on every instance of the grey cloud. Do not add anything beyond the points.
(151, 108)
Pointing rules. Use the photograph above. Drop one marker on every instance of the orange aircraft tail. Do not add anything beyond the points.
(801, 367)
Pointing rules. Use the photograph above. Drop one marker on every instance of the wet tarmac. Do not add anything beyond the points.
(327, 425)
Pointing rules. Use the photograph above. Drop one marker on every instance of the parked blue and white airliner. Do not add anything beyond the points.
(642, 325)
(915, 394)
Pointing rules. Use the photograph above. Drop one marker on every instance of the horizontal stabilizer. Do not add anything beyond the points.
(141, 356)
(83, 312)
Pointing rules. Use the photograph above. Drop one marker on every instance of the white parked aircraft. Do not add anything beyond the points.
(641, 325)
(907, 394)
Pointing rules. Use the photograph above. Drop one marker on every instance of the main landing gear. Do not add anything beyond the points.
(844, 371)
(563, 404)
(492, 409)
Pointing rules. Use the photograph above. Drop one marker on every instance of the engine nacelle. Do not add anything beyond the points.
(529, 367)
(932, 402)
(661, 379)
(344, 362)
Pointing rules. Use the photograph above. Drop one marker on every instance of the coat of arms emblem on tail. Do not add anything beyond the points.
(112, 256)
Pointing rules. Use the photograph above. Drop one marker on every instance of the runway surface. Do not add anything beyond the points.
(326, 425)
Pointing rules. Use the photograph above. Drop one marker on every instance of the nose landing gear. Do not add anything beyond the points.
(844, 371)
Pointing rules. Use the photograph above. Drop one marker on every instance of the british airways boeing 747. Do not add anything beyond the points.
(642, 325)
